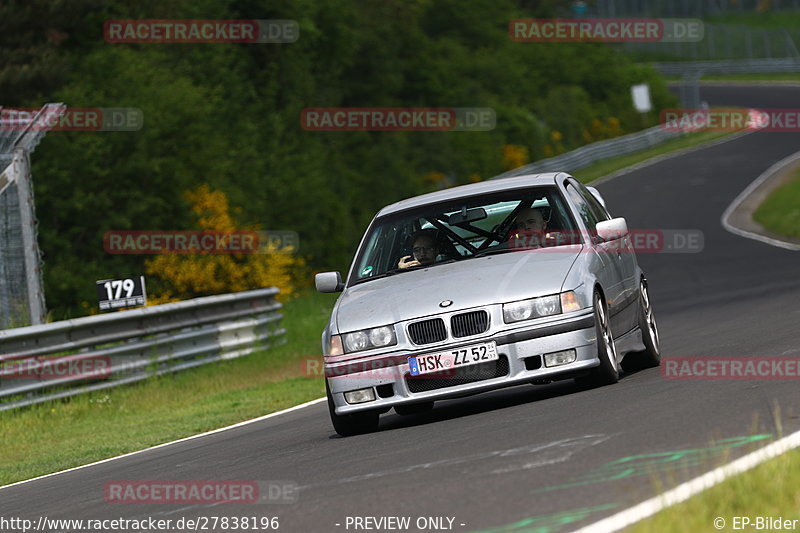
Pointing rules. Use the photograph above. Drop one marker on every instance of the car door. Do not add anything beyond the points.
(609, 270)
(626, 261)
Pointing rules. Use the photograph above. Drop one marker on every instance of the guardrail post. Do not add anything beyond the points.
(21, 168)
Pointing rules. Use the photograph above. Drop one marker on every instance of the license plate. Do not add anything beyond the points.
(457, 358)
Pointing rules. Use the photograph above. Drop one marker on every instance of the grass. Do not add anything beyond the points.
(769, 490)
(780, 212)
(62, 434)
(603, 168)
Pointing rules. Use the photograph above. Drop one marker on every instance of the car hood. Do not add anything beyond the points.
(468, 283)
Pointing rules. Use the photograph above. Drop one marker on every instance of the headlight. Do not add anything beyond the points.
(516, 311)
(383, 336)
(365, 339)
(538, 307)
(356, 341)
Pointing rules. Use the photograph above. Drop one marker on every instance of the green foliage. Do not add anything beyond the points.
(229, 115)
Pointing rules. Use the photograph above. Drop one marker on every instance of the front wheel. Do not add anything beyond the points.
(651, 356)
(352, 424)
(607, 372)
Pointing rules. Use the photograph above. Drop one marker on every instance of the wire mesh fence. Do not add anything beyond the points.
(21, 292)
(687, 8)
(720, 42)
(14, 309)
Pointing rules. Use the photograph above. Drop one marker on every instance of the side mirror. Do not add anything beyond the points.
(609, 230)
(328, 282)
(597, 195)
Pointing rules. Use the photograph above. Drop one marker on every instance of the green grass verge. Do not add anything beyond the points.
(62, 434)
(603, 168)
(780, 212)
(771, 489)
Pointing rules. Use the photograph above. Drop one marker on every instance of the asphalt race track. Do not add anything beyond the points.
(532, 456)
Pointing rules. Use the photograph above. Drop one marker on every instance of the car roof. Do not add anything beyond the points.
(473, 189)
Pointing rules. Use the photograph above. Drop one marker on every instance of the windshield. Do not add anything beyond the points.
(459, 230)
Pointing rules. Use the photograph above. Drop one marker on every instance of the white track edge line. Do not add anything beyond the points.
(767, 174)
(692, 487)
(162, 445)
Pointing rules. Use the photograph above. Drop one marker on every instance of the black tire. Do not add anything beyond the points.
(413, 409)
(651, 356)
(354, 424)
(607, 372)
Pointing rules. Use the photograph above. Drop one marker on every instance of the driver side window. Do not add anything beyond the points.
(584, 210)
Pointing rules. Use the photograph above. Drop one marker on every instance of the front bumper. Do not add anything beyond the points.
(519, 350)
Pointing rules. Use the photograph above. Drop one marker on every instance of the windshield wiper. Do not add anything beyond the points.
(401, 270)
(494, 251)
(379, 276)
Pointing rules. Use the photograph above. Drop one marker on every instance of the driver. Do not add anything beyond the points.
(530, 229)
(531, 219)
(424, 247)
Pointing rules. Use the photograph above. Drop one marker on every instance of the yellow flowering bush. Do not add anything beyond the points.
(434, 177)
(614, 127)
(514, 156)
(188, 276)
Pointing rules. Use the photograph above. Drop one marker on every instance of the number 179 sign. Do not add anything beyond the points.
(116, 293)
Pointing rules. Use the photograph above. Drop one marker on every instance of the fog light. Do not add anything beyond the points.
(360, 396)
(560, 358)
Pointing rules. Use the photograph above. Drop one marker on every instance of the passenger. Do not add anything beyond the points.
(424, 248)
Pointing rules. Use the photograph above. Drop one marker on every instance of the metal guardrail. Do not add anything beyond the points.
(597, 151)
(48, 361)
(684, 68)
(692, 71)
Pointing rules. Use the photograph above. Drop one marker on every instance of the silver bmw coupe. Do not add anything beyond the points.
(520, 280)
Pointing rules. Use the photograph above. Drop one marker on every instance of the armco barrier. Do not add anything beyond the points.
(598, 151)
(751, 66)
(134, 345)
